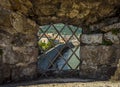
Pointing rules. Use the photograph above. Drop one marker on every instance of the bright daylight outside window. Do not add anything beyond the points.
(59, 50)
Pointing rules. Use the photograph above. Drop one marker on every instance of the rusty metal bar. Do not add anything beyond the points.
(69, 58)
(51, 63)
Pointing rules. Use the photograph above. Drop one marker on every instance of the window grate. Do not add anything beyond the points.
(59, 46)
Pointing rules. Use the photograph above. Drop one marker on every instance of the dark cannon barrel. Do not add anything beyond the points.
(44, 59)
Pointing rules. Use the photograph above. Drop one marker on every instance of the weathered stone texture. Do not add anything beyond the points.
(98, 62)
(19, 6)
(116, 75)
(105, 25)
(69, 11)
(24, 72)
(111, 27)
(114, 38)
(93, 39)
(18, 43)
(18, 40)
(1, 73)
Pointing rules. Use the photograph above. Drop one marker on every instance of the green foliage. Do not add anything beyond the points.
(46, 46)
(1, 52)
(105, 42)
(115, 31)
(43, 45)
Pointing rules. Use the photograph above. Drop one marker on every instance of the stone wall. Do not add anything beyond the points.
(99, 43)
(77, 12)
(100, 53)
(70, 11)
(18, 47)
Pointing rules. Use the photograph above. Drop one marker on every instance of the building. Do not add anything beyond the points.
(44, 40)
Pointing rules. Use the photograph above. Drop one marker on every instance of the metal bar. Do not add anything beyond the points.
(63, 39)
(59, 52)
(48, 59)
(44, 31)
(74, 33)
(75, 53)
(62, 58)
(51, 63)
(71, 55)
(56, 57)
(77, 66)
(69, 58)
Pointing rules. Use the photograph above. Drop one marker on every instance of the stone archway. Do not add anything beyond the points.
(99, 20)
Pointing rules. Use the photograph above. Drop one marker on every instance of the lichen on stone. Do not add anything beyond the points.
(115, 31)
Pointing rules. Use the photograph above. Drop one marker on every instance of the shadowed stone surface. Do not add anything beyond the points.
(71, 11)
(18, 28)
(93, 39)
(111, 27)
(114, 38)
(18, 43)
(98, 62)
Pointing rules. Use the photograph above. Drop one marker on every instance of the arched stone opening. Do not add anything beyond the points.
(99, 55)
(100, 40)
(59, 50)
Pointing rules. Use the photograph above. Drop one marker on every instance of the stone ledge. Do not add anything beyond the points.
(111, 27)
(93, 39)
(114, 38)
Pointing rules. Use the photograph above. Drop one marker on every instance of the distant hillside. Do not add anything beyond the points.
(59, 26)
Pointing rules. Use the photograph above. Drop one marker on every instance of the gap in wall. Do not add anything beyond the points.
(59, 50)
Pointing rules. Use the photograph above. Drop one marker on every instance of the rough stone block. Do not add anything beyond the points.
(4, 39)
(15, 55)
(5, 17)
(104, 24)
(20, 39)
(92, 39)
(26, 54)
(6, 70)
(97, 61)
(9, 56)
(111, 27)
(24, 72)
(114, 38)
(23, 25)
(96, 55)
(116, 75)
